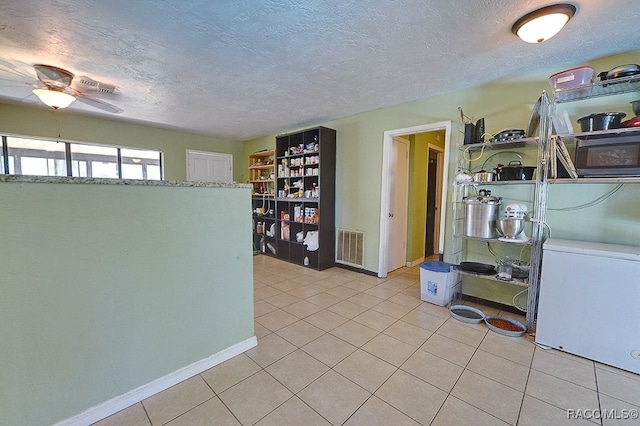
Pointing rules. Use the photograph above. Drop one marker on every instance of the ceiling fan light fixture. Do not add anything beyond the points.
(54, 98)
(544, 23)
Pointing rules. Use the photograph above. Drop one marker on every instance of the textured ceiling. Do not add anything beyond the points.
(239, 69)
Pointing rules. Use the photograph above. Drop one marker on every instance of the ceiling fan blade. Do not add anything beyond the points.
(96, 103)
(16, 71)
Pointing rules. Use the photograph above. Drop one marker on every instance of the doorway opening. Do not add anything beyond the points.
(391, 237)
(435, 164)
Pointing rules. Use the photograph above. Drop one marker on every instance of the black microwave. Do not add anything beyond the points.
(608, 156)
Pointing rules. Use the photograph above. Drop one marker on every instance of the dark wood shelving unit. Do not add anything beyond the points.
(305, 196)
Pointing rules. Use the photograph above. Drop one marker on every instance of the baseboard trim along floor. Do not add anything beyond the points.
(112, 406)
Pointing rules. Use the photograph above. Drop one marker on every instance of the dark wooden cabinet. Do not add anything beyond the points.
(304, 212)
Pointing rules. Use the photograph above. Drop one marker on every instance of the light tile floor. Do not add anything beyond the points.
(342, 348)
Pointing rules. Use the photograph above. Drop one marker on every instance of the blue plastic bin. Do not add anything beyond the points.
(437, 282)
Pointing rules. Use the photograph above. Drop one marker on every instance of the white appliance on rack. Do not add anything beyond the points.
(589, 301)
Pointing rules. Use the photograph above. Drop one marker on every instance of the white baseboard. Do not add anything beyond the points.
(415, 262)
(112, 406)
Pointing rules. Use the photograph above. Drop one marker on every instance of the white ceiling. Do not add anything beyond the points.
(240, 69)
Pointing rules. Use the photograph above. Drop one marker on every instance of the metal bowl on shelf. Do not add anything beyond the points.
(510, 228)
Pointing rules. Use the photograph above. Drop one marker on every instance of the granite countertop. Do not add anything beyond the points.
(105, 181)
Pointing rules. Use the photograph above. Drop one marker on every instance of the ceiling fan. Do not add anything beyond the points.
(58, 88)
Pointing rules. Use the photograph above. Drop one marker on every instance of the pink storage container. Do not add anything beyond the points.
(574, 77)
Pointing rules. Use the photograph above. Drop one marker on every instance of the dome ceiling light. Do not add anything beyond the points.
(53, 98)
(542, 24)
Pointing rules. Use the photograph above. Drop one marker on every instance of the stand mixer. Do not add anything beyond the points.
(512, 226)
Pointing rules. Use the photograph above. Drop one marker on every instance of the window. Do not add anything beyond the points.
(95, 161)
(34, 157)
(139, 164)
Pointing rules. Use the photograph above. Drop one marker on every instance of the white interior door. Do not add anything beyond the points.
(205, 166)
(398, 201)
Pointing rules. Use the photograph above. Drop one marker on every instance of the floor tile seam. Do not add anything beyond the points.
(400, 409)
(382, 299)
(397, 367)
(295, 395)
(457, 339)
(283, 306)
(522, 395)
(419, 326)
(191, 409)
(522, 391)
(432, 384)
(464, 343)
(395, 289)
(300, 318)
(496, 381)
(410, 344)
(617, 371)
(145, 412)
(310, 341)
(623, 373)
(566, 356)
(532, 396)
(279, 328)
(273, 362)
(595, 374)
(346, 341)
(188, 378)
(631, 405)
(393, 337)
(323, 307)
(357, 384)
(372, 394)
(526, 384)
(507, 359)
(439, 357)
(331, 312)
(476, 407)
(236, 383)
(365, 401)
(324, 363)
(366, 306)
(385, 313)
(617, 397)
(272, 288)
(543, 402)
(318, 378)
(565, 379)
(412, 306)
(417, 308)
(465, 367)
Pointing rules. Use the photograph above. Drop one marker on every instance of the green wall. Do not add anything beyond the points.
(105, 288)
(69, 126)
(503, 104)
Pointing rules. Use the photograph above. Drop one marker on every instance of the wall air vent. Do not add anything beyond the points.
(350, 248)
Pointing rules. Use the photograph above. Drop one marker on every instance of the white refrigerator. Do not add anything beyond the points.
(589, 302)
